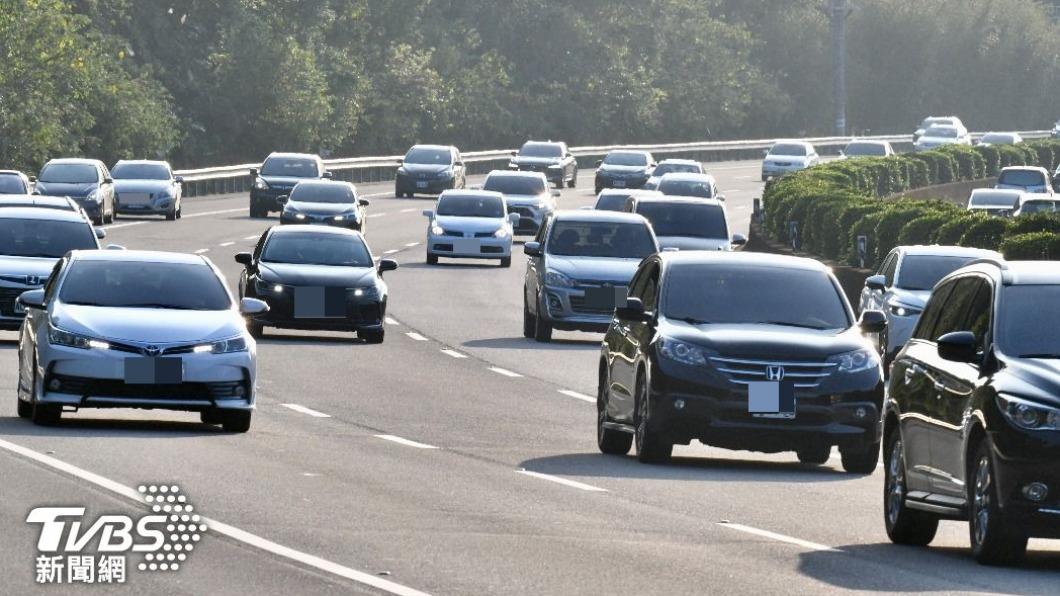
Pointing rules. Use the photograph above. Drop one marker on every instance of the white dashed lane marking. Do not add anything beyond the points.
(409, 210)
(405, 442)
(577, 395)
(377, 215)
(202, 250)
(778, 537)
(505, 372)
(453, 353)
(254, 237)
(416, 336)
(226, 244)
(391, 251)
(305, 410)
(391, 321)
(411, 244)
(563, 481)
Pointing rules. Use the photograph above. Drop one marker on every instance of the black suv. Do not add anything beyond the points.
(972, 419)
(553, 159)
(740, 351)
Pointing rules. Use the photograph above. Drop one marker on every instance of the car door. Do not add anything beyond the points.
(629, 337)
(106, 189)
(535, 270)
(959, 380)
(911, 389)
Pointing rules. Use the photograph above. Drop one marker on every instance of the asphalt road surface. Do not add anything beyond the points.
(457, 458)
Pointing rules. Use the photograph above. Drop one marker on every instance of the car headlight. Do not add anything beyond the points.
(554, 166)
(445, 174)
(1028, 415)
(260, 184)
(59, 337)
(557, 279)
(856, 361)
(267, 287)
(501, 232)
(94, 196)
(679, 351)
(901, 310)
(365, 292)
(437, 230)
(402, 171)
(299, 215)
(225, 346)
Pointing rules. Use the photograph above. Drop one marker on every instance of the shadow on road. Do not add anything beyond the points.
(699, 469)
(71, 426)
(522, 343)
(454, 264)
(910, 570)
(295, 338)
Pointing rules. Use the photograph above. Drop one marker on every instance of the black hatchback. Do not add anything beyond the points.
(740, 351)
(972, 419)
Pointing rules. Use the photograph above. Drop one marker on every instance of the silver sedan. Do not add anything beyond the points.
(137, 329)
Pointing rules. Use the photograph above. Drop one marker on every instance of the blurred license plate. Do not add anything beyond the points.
(466, 245)
(606, 297)
(619, 183)
(135, 199)
(421, 184)
(319, 303)
(154, 371)
(771, 399)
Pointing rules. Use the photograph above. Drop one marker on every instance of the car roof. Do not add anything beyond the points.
(439, 147)
(295, 228)
(743, 259)
(792, 142)
(590, 215)
(686, 162)
(515, 174)
(688, 177)
(146, 162)
(1015, 273)
(140, 256)
(11, 173)
(293, 155)
(532, 142)
(323, 182)
(1012, 192)
(481, 194)
(869, 142)
(936, 250)
(30, 200)
(1037, 169)
(42, 213)
(635, 151)
(679, 200)
(74, 160)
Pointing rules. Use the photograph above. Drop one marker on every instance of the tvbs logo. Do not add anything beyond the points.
(164, 538)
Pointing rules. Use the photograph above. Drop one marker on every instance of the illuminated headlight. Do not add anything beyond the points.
(365, 292)
(1028, 415)
(58, 337)
(900, 310)
(554, 166)
(679, 351)
(501, 233)
(299, 216)
(338, 218)
(557, 279)
(437, 230)
(445, 174)
(260, 184)
(225, 346)
(855, 361)
(402, 172)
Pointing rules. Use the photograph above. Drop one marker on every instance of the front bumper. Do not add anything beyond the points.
(92, 208)
(470, 248)
(570, 309)
(431, 186)
(361, 313)
(606, 181)
(10, 320)
(1013, 472)
(156, 206)
(780, 170)
(351, 223)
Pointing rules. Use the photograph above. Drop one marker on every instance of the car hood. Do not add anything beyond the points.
(693, 243)
(144, 186)
(914, 298)
(283, 181)
(22, 266)
(320, 208)
(425, 168)
(316, 275)
(595, 268)
(787, 158)
(525, 199)
(1032, 188)
(1037, 379)
(148, 325)
(60, 189)
(611, 169)
(469, 224)
(935, 140)
(538, 161)
(768, 342)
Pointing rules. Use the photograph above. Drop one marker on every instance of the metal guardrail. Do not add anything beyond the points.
(233, 179)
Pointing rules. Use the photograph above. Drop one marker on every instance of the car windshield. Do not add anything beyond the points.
(1022, 178)
(138, 284)
(515, 185)
(308, 248)
(943, 132)
(993, 199)
(541, 150)
(459, 206)
(611, 202)
(929, 122)
(11, 185)
(69, 173)
(685, 219)
(426, 155)
(140, 171)
(738, 294)
(625, 158)
(874, 149)
(675, 168)
(998, 139)
(686, 188)
(333, 192)
(44, 238)
(788, 149)
(1038, 207)
(292, 167)
(601, 239)
(1025, 327)
(924, 271)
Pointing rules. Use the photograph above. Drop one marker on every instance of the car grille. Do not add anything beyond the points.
(452, 234)
(89, 387)
(577, 304)
(7, 300)
(805, 375)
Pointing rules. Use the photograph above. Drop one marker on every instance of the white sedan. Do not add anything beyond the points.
(470, 225)
(788, 156)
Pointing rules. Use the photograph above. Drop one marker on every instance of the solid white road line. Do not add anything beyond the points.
(391, 251)
(453, 353)
(126, 225)
(563, 481)
(779, 537)
(391, 321)
(378, 194)
(405, 442)
(305, 410)
(577, 395)
(416, 336)
(377, 215)
(226, 244)
(222, 528)
(409, 210)
(207, 213)
(505, 372)
(411, 244)
(254, 237)
(202, 250)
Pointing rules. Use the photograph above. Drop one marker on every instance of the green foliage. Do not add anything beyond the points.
(952, 231)
(1032, 246)
(922, 230)
(987, 233)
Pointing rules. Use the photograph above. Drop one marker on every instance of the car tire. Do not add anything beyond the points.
(506, 262)
(861, 459)
(236, 421)
(42, 414)
(994, 542)
(256, 330)
(904, 525)
(610, 441)
(432, 259)
(529, 321)
(651, 447)
(598, 189)
(180, 210)
(573, 180)
(373, 336)
(25, 408)
(258, 212)
(542, 328)
(98, 221)
(814, 455)
(171, 215)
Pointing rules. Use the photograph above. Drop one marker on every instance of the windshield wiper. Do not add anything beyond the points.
(691, 320)
(790, 324)
(77, 303)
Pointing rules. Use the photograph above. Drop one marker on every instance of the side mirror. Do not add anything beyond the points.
(32, 178)
(100, 233)
(876, 282)
(253, 306)
(872, 321)
(514, 153)
(327, 175)
(599, 162)
(460, 164)
(245, 258)
(514, 218)
(959, 346)
(532, 249)
(556, 193)
(32, 299)
(765, 152)
(178, 179)
(400, 161)
(429, 214)
(633, 311)
(283, 198)
(738, 240)
(568, 154)
(387, 265)
(653, 165)
(108, 180)
(363, 202)
(253, 172)
(720, 197)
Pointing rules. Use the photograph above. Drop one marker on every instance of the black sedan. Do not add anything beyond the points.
(316, 278)
(327, 203)
(740, 351)
(624, 169)
(551, 158)
(276, 179)
(429, 169)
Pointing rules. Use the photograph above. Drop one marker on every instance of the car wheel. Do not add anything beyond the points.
(598, 189)
(651, 448)
(98, 221)
(257, 211)
(610, 441)
(904, 525)
(171, 215)
(528, 319)
(542, 328)
(374, 336)
(25, 408)
(506, 262)
(994, 542)
(862, 459)
(236, 421)
(180, 210)
(256, 330)
(573, 180)
(814, 454)
(432, 259)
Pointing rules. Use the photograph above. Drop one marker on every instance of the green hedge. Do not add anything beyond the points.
(836, 202)
(1031, 247)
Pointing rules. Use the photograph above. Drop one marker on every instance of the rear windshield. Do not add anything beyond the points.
(944, 132)
(541, 150)
(787, 149)
(993, 199)
(611, 202)
(515, 185)
(471, 206)
(998, 139)
(43, 238)
(923, 272)
(336, 192)
(1022, 178)
(292, 167)
(681, 219)
(1038, 207)
(140, 171)
(855, 149)
(69, 173)
(686, 188)
(134, 284)
(338, 250)
(601, 239)
(625, 158)
(11, 185)
(683, 168)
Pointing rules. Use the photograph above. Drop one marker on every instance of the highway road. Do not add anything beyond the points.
(458, 458)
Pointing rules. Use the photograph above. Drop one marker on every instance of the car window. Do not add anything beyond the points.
(42, 238)
(308, 248)
(428, 156)
(323, 192)
(69, 173)
(135, 284)
(515, 185)
(611, 202)
(692, 219)
(1024, 178)
(141, 171)
(925, 328)
(601, 239)
(922, 272)
(645, 285)
(888, 269)
(11, 185)
(53, 280)
(293, 167)
(978, 318)
(626, 158)
(956, 310)
(687, 188)
(471, 206)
